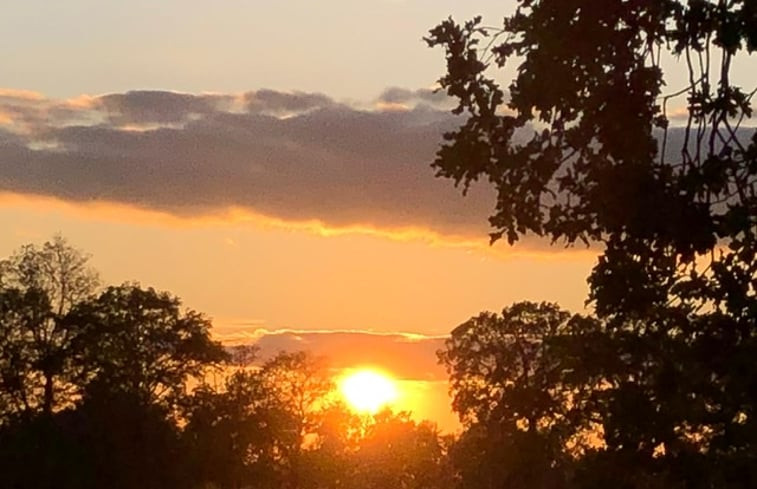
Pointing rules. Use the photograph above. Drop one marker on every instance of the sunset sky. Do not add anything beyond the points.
(268, 162)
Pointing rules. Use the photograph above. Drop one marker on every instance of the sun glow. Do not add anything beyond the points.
(367, 391)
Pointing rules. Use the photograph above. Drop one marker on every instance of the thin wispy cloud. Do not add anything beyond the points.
(410, 356)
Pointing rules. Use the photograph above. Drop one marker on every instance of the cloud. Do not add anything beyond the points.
(406, 356)
(289, 156)
(159, 107)
(270, 101)
(409, 358)
(397, 95)
(402, 99)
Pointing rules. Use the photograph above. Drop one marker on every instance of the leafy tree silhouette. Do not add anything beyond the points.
(573, 153)
(138, 341)
(256, 429)
(227, 435)
(521, 398)
(580, 148)
(38, 288)
(395, 451)
(88, 383)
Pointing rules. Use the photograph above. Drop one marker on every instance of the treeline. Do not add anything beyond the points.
(120, 387)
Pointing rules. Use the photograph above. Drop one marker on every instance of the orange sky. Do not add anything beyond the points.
(269, 163)
(359, 297)
(294, 220)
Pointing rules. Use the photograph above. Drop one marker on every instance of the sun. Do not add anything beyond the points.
(367, 391)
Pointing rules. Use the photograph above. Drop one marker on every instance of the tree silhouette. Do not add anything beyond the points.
(297, 386)
(329, 460)
(514, 388)
(56, 268)
(580, 147)
(106, 441)
(20, 313)
(38, 287)
(265, 424)
(139, 341)
(227, 435)
(88, 383)
(573, 151)
(395, 451)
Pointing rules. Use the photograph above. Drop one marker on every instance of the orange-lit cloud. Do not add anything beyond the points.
(409, 356)
(11, 93)
(235, 217)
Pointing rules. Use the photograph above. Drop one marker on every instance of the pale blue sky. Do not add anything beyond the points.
(347, 49)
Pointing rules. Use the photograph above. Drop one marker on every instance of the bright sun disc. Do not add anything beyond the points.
(368, 391)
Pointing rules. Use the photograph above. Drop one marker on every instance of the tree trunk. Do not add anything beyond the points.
(48, 400)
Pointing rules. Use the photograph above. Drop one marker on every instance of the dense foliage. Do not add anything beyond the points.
(580, 147)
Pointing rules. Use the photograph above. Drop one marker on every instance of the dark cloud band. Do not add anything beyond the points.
(293, 156)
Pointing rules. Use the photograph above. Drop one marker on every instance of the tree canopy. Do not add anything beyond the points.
(581, 146)
(139, 341)
(38, 288)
